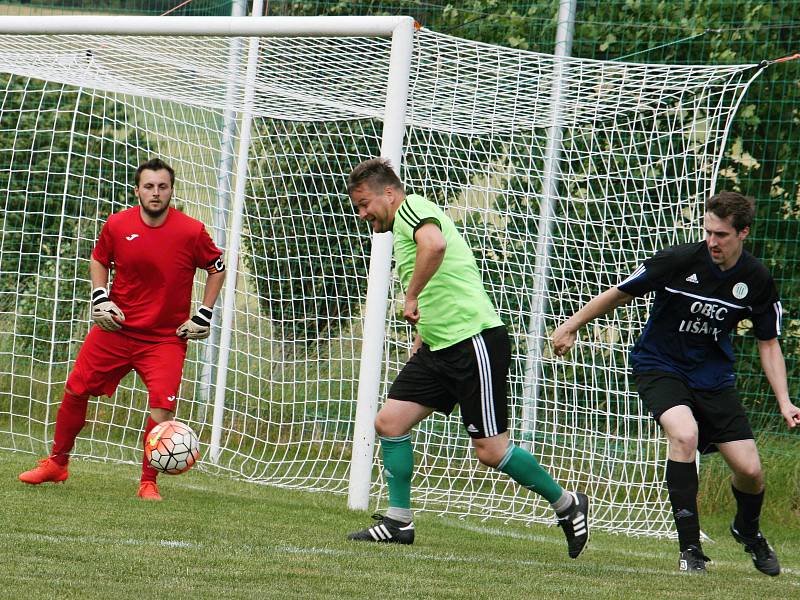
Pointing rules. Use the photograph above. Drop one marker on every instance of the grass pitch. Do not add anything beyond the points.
(213, 537)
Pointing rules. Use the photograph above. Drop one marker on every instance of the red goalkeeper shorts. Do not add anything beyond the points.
(107, 356)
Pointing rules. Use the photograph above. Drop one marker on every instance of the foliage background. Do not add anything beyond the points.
(41, 248)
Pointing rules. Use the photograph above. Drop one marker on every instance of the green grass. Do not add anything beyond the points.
(215, 537)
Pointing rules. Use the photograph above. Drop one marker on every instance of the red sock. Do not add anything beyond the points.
(70, 420)
(148, 472)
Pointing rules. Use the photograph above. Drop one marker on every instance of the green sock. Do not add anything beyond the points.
(398, 466)
(523, 468)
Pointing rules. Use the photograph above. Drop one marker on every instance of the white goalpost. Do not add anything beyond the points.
(310, 336)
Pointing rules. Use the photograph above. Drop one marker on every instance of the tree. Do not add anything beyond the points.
(303, 241)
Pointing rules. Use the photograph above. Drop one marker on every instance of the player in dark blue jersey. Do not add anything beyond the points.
(683, 365)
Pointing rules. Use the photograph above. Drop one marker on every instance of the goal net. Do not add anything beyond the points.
(640, 149)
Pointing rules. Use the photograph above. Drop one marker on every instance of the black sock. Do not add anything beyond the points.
(682, 487)
(748, 510)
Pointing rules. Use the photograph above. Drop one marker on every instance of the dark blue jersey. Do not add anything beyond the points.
(695, 308)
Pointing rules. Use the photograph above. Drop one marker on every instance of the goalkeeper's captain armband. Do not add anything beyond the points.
(217, 266)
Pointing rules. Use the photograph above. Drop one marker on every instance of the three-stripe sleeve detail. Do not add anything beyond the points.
(636, 274)
(408, 215)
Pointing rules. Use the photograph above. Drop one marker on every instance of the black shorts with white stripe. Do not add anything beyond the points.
(472, 373)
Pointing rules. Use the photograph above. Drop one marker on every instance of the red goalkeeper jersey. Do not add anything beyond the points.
(154, 269)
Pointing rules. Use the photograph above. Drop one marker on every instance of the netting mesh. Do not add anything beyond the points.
(641, 147)
(761, 159)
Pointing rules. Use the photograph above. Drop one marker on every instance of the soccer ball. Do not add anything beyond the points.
(171, 447)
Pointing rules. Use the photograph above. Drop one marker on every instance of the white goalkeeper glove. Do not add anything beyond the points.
(105, 313)
(198, 327)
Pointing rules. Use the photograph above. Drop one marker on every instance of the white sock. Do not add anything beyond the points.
(563, 505)
(404, 515)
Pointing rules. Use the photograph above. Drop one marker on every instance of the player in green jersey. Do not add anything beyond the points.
(461, 355)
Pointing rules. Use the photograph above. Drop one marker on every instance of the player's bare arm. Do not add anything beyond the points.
(775, 369)
(431, 247)
(105, 313)
(98, 273)
(213, 287)
(564, 336)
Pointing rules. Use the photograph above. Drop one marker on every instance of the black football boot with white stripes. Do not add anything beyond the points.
(386, 530)
(576, 524)
(764, 557)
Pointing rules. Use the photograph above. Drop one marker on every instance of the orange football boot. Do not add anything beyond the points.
(148, 490)
(48, 470)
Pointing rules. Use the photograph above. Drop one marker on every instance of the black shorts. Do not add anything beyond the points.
(719, 414)
(472, 373)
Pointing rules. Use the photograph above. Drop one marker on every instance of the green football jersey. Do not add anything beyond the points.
(454, 305)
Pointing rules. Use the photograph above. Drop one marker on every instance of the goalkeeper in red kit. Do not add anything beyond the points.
(144, 322)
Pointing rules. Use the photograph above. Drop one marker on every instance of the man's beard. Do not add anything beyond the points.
(153, 214)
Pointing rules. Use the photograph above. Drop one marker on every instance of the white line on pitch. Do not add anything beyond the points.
(97, 541)
(339, 553)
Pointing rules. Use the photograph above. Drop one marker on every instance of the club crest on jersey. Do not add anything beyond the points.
(740, 290)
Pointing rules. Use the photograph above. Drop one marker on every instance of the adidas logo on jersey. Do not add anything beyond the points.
(693, 278)
(471, 428)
